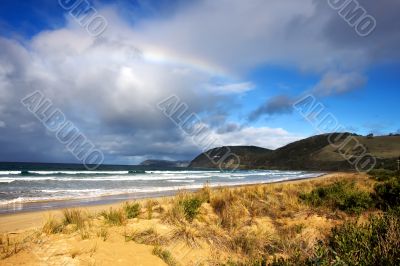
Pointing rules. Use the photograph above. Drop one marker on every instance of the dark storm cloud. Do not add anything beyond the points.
(281, 104)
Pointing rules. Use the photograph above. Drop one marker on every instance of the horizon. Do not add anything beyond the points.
(191, 159)
(136, 83)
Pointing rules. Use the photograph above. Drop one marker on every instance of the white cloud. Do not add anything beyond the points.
(231, 88)
(266, 137)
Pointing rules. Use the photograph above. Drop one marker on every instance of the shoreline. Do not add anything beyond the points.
(55, 204)
(30, 219)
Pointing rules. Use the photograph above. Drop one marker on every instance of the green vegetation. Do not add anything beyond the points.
(191, 207)
(52, 226)
(373, 243)
(150, 204)
(132, 210)
(339, 195)
(314, 153)
(114, 217)
(165, 255)
(388, 193)
(301, 223)
(185, 207)
(149, 237)
(75, 217)
(383, 174)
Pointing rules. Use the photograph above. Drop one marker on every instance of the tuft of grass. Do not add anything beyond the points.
(184, 207)
(76, 217)
(229, 207)
(149, 237)
(132, 210)
(249, 242)
(149, 205)
(340, 195)
(103, 233)
(204, 194)
(10, 247)
(165, 255)
(52, 226)
(186, 232)
(114, 217)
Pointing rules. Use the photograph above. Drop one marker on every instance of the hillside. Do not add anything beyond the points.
(249, 156)
(314, 153)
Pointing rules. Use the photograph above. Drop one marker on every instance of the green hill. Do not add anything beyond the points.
(328, 152)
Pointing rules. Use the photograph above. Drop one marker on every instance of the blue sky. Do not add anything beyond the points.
(240, 65)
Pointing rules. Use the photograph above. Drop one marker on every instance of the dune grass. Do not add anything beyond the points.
(342, 195)
(115, 217)
(132, 210)
(302, 223)
(148, 236)
(75, 217)
(165, 255)
(52, 226)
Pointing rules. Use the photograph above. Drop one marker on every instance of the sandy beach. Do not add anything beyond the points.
(205, 227)
(33, 219)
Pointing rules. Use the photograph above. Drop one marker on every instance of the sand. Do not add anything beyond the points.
(10, 223)
(116, 249)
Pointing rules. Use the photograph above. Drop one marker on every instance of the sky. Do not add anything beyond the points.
(237, 65)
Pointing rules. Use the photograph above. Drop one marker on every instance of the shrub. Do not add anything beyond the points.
(374, 243)
(383, 174)
(339, 195)
(114, 217)
(191, 207)
(388, 194)
(132, 210)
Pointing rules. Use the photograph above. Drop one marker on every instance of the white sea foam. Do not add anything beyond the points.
(9, 172)
(159, 182)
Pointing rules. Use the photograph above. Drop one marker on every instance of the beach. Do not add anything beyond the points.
(34, 217)
(213, 224)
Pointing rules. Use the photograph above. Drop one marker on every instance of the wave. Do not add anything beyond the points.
(10, 172)
(73, 194)
(119, 176)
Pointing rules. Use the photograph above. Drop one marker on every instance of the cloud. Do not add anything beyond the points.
(337, 83)
(109, 89)
(110, 86)
(266, 137)
(331, 83)
(231, 88)
(281, 104)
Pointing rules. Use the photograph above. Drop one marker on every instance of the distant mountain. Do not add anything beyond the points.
(314, 153)
(164, 163)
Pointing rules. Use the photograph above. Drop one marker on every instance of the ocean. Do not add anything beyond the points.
(33, 189)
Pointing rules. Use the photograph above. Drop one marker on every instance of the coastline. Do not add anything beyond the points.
(14, 222)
